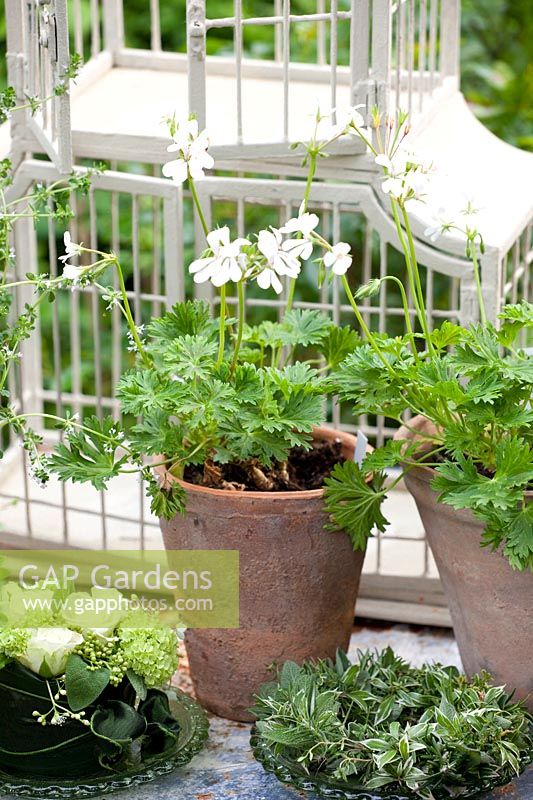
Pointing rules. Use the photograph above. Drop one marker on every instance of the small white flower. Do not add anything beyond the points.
(354, 118)
(406, 176)
(339, 259)
(304, 224)
(185, 131)
(72, 273)
(269, 278)
(346, 118)
(441, 221)
(193, 157)
(270, 245)
(71, 248)
(227, 262)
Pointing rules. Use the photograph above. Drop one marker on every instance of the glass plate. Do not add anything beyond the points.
(290, 772)
(194, 730)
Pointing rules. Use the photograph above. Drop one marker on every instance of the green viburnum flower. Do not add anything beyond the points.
(151, 653)
(13, 642)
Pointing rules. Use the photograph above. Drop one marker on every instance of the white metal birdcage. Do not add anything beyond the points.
(338, 53)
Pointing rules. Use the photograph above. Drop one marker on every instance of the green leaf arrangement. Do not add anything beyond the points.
(380, 724)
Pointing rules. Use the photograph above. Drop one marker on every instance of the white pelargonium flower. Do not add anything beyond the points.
(304, 224)
(345, 118)
(280, 262)
(227, 262)
(48, 649)
(406, 175)
(447, 209)
(192, 158)
(185, 131)
(71, 248)
(339, 259)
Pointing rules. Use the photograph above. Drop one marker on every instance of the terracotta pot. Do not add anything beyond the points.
(490, 603)
(298, 585)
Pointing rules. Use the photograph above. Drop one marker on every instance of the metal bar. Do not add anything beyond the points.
(333, 56)
(278, 44)
(56, 348)
(422, 39)
(95, 318)
(360, 52)
(155, 26)
(96, 44)
(381, 52)
(286, 64)
(432, 59)
(450, 37)
(237, 37)
(78, 28)
(321, 34)
(229, 22)
(113, 25)
(116, 316)
(196, 48)
(410, 53)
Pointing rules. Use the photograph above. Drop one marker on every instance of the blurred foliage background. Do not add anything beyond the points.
(496, 53)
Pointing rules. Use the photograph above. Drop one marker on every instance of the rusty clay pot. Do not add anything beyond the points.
(298, 585)
(490, 603)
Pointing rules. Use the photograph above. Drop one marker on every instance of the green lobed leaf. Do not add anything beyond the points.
(84, 685)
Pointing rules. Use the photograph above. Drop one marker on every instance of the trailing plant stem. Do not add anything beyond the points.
(129, 316)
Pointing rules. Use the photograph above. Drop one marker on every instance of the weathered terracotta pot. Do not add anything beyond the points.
(490, 603)
(298, 585)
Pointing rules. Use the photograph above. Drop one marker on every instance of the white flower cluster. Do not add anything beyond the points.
(279, 253)
(428, 195)
(190, 146)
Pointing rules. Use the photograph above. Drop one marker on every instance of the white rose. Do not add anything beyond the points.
(48, 650)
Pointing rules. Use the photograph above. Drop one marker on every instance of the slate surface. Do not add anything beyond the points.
(226, 769)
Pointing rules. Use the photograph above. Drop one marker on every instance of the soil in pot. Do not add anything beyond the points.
(490, 603)
(298, 583)
(304, 469)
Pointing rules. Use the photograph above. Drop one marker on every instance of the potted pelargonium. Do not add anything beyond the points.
(232, 420)
(88, 704)
(466, 453)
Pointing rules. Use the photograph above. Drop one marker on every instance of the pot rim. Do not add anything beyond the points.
(429, 472)
(327, 432)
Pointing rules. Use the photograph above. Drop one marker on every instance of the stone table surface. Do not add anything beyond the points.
(226, 769)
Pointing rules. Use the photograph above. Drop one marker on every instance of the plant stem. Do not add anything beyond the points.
(410, 333)
(198, 205)
(129, 316)
(362, 323)
(412, 271)
(222, 325)
(313, 154)
(414, 262)
(240, 326)
(477, 276)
